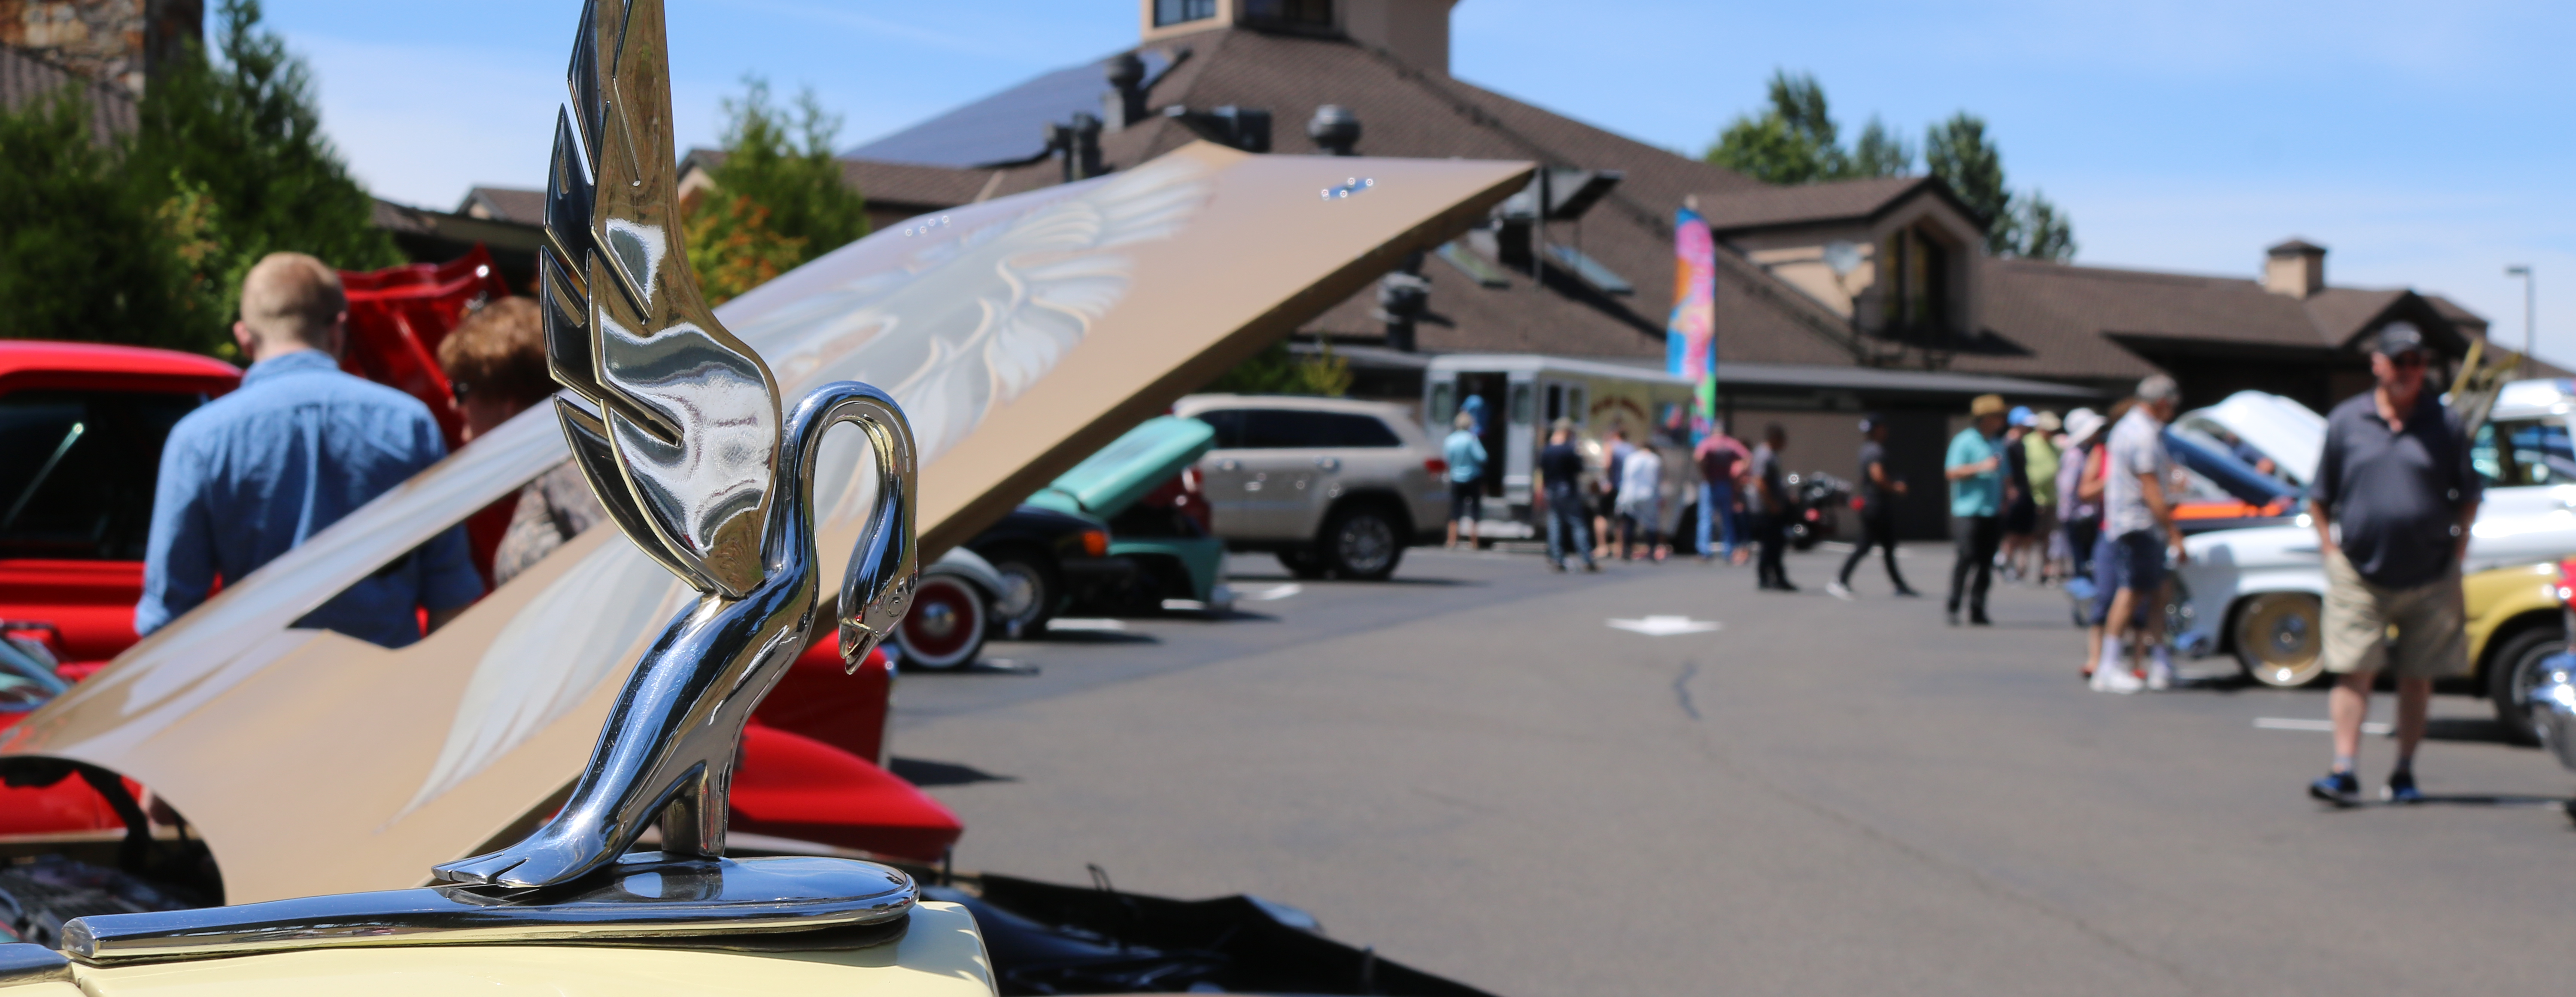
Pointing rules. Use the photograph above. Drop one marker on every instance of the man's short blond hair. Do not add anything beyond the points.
(292, 296)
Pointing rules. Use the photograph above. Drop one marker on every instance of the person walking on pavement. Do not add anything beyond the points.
(2138, 516)
(1878, 492)
(1466, 456)
(2020, 513)
(1641, 482)
(1974, 467)
(256, 473)
(1720, 461)
(1560, 477)
(2394, 499)
(2041, 448)
(1766, 498)
(1605, 516)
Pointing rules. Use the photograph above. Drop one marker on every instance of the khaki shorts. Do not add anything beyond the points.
(2432, 636)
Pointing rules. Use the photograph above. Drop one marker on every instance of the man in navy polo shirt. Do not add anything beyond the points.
(2393, 501)
(257, 472)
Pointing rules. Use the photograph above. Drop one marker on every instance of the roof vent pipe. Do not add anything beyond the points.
(1124, 104)
(1079, 143)
(1335, 130)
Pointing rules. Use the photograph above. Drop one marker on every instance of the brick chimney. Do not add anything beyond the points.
(119, 42)
(2296, 268)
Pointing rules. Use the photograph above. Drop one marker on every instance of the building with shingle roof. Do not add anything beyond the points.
(1832, 298)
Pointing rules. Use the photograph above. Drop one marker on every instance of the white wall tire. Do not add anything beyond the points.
(945, 628)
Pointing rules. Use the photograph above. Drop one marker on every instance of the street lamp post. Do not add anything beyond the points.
(2529, 300)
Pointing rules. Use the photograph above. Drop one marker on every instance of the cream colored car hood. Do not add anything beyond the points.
(1019, 334)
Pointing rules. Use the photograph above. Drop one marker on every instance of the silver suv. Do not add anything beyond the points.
(1331, 486)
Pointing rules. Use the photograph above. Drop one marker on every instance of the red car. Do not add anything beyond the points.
(81, 430)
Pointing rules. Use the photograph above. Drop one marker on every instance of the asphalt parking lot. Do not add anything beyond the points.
(1472, 769)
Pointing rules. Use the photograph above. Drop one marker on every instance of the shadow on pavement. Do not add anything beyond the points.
(920, 772)
(2464, 729)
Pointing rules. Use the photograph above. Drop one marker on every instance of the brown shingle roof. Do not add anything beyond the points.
(509, 204)
(1807, 204)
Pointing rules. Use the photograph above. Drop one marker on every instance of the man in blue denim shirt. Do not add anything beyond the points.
(299, 445)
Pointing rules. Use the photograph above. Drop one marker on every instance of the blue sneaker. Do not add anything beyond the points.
(2338, 788)
(2401, 788)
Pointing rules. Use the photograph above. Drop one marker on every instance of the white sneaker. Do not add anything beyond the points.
(2115, 678)
(1839, 591)
(2160, 676)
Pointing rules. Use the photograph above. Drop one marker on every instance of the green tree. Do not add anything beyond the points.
(2041, 231)
(1958, 152)
(79, 257)
(1795, 140)
(1275, 371)
(1879, 153)
(780, 199)
(1791, 142)
(228, 151)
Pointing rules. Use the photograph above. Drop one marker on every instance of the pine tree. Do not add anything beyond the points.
(79, 258)
(779, 199)
(229, 151)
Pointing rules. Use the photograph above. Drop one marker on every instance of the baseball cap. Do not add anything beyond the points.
(2020, 416)
(1872, 421)
(2399, 338)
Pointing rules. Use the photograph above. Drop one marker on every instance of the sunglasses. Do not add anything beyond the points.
(2409, 358)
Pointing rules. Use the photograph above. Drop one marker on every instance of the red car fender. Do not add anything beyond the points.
(796, 787)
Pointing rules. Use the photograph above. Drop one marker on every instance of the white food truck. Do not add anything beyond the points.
(1523, 393)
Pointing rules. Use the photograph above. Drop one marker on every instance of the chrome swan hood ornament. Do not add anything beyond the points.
(676, 424)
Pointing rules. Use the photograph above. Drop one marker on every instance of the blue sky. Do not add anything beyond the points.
(2425, 145)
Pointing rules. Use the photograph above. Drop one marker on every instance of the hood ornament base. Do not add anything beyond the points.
(756, 904)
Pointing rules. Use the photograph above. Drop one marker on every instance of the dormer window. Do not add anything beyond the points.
(1915, 287)
(1169, 12)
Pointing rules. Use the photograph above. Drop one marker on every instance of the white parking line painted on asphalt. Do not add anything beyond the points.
(2373, 727)
(1277, 592)
(1079, 624)
(1665, 626)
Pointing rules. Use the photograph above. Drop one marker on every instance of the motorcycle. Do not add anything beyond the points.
(1816, 500)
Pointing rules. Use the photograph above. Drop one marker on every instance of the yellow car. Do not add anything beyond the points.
(2517, 617)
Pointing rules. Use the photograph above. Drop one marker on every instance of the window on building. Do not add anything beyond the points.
(1916, 292)
(1182, 11)
(1299, 13)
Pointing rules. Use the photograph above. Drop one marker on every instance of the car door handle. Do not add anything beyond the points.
(1328, 463)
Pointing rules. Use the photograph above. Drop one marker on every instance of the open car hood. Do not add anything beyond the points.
(1106, 483)
(2293, 435)
(1019, 335)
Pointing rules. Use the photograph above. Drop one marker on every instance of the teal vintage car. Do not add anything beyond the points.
(1143, 488)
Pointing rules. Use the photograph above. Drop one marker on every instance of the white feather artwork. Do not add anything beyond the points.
(966, 327)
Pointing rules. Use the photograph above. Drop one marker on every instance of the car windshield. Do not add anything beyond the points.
(77, 470)
(2516, 452)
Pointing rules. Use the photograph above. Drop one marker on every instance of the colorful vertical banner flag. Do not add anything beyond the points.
(1690, 337)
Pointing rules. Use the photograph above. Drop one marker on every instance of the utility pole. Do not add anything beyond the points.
(2529, 302)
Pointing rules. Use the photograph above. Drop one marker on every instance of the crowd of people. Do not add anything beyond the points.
(2089, 499)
